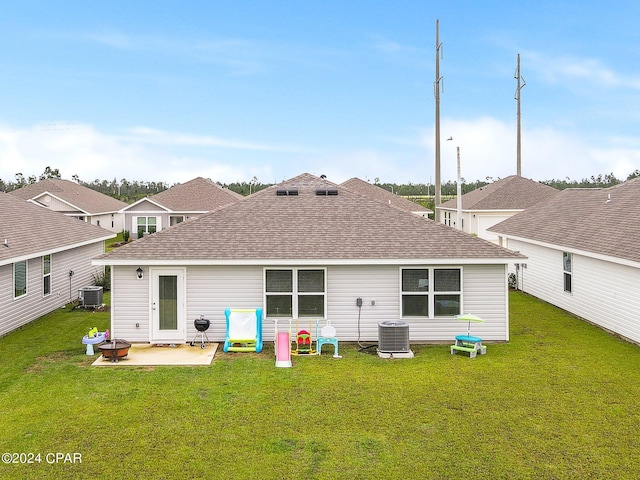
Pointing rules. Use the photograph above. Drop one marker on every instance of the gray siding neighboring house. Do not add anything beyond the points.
(583, 255)
(75, 200)
(303, 250)
(486, 206)
(38, 249)
(175, 205)
(378, 193)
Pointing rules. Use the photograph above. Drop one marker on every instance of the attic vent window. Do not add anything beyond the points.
(281, 192)
(327, 191)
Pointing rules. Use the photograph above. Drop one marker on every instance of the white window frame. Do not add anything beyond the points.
(430, 292)
(295, 293)
(146, 223)
(567, 271)
(26, 279)
(46, 275)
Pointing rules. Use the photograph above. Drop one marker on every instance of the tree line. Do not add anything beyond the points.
(131, 191)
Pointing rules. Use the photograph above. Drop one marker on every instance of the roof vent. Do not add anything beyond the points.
(281, 192)
(327, 191)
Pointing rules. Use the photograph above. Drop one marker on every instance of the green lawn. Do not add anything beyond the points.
(560, 400)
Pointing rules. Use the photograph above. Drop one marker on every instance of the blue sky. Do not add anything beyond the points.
(233, 90)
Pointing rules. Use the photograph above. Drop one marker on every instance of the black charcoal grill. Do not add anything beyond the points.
(202, 325)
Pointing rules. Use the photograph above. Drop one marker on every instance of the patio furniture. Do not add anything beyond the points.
(470, 344)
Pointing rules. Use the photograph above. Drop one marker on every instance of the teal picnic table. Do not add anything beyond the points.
(470, 344)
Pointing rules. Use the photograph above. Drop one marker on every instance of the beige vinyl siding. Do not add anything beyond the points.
(604, 293)
(56, 205)
(212, 289)
(17, 312)
(130, 304)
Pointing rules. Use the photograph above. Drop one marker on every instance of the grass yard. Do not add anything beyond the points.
(560, 400)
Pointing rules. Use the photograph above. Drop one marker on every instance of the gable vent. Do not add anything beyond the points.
(327, 191)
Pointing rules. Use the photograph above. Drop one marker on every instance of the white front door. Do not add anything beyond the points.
(168, 309)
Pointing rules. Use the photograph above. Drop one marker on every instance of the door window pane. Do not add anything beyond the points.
(168, 299)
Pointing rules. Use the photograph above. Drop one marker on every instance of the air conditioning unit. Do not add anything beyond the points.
(393, 337)
(90, 296)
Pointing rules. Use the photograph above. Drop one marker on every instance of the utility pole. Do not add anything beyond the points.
(459, 195)
(436, 91)
(519, 86)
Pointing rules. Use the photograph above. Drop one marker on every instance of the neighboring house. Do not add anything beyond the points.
(45, 258)
(583, 254)
(175, 205)
(378, 193)
(75, 200)
(308, 249)
(486, 206)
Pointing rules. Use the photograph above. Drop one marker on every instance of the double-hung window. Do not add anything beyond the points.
(294, 293)
(46, 275)
(431, 292)
(146, 225)
(567, 260)
(19, 279)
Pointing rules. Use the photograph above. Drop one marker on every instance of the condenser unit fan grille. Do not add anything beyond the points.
(393, 337)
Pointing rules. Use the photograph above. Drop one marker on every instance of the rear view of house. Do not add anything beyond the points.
(45, 258)
(308, 250)
(583, 254)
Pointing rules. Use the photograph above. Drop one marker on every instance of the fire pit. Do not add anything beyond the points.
(115, 349)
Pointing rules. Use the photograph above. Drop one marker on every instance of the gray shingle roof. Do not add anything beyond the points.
(273, 224)
(602, 221)
(382, 195)
(197, 195)
(30, 229)
(87, 200)
(510, 193)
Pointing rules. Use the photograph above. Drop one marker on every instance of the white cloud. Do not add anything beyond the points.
(577, 72)
(488, 149)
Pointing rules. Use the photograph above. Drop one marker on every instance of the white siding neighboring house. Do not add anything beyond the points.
(38, 249)
(75, 200)
(378, 193)
(175, 205)
(486, 206)
(303, 250)
(583, 255)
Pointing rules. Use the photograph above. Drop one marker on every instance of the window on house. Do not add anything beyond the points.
(46, 275)
(567, 260)
(19, 279)
(415, 292)
(431, 292)
(295, 293)
(146, 225)
(175, 219)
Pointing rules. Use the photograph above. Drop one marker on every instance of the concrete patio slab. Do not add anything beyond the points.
(147, 354)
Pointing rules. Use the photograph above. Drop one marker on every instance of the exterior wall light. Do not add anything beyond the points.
(139, 273)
